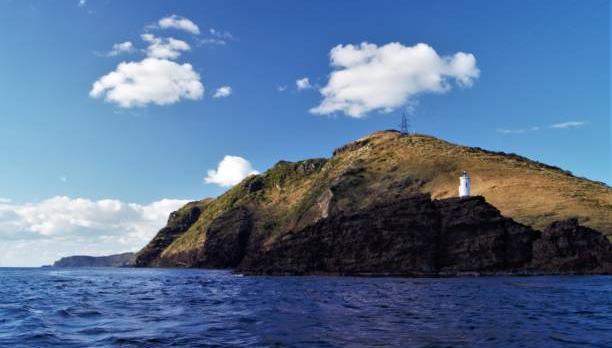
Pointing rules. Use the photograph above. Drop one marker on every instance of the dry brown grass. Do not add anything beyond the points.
(530, 192)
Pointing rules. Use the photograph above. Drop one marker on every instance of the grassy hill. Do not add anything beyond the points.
(387, 165)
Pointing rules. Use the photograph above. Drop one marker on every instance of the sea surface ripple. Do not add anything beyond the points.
(107, 307)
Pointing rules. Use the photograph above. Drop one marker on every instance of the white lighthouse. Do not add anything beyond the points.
(464, 185)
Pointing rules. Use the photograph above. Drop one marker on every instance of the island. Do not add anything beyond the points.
(388, 204)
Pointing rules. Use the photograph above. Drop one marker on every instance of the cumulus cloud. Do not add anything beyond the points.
(164, 48)
(222, 92)
(368, 77)
(152, 80)
(157, 79)
(82, 3)
(61, 226)
(568, 124)
(303, 83)
(119, 48)
(180, 23)
(230, 171)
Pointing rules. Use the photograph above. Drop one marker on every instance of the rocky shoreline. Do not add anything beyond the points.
(411, 237)
(469, 237)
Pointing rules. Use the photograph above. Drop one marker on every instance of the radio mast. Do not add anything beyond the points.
(405, 125)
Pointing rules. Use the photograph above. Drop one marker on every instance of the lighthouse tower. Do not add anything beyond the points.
(464, 185)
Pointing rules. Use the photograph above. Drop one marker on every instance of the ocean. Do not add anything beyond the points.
(112, 307)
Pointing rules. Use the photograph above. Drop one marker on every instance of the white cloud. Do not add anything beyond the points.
(150, 81)
(303, 83)
(82, 3)
(62, 226)
(281, 88)
(519, 130)
(563, 125)
(217, 38)
(180, 23)
(220, 34)
(213, 42)
(222, 92)
(230, 171)
(157, 79)
(164, 48)
(568, 124)
(368, 77)
(63, 179)
(119, 48)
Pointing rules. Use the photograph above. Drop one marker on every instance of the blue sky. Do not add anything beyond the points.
(535, 65)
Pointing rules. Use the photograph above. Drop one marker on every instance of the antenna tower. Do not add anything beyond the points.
(405, 125)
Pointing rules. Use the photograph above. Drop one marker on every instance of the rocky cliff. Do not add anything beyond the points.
(118, 260)
(409, 236)
(383, 205)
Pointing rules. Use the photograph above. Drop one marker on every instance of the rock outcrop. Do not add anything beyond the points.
(227, 239)
(474, 236)
(567, 247)
(411, 236)
(398, 238)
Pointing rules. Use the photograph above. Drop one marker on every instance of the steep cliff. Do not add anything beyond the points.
(372, 200)
(566, 246)
(409, 236)
(178, 223)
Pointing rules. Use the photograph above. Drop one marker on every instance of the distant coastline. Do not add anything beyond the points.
(116, 260)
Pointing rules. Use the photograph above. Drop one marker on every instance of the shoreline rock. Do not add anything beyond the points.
(413, 236)
(418, 237)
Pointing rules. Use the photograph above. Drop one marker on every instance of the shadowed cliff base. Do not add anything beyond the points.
(419, 237)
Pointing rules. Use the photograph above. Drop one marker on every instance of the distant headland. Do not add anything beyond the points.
(118, 260)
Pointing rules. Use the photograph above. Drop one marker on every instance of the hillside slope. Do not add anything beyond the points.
(375, 170)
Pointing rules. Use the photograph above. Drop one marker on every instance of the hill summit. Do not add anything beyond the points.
(384, 204)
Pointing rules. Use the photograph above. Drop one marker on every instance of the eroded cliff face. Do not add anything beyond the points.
(369, 208)
(413, 235)
(410, 236)
(399, 237)
(566, 246)
(474, 236)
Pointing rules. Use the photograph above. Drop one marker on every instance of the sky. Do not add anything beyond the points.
(115, 113)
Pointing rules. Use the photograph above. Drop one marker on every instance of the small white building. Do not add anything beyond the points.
(464, 185)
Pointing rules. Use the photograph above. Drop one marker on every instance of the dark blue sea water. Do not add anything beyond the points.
(200, 308)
